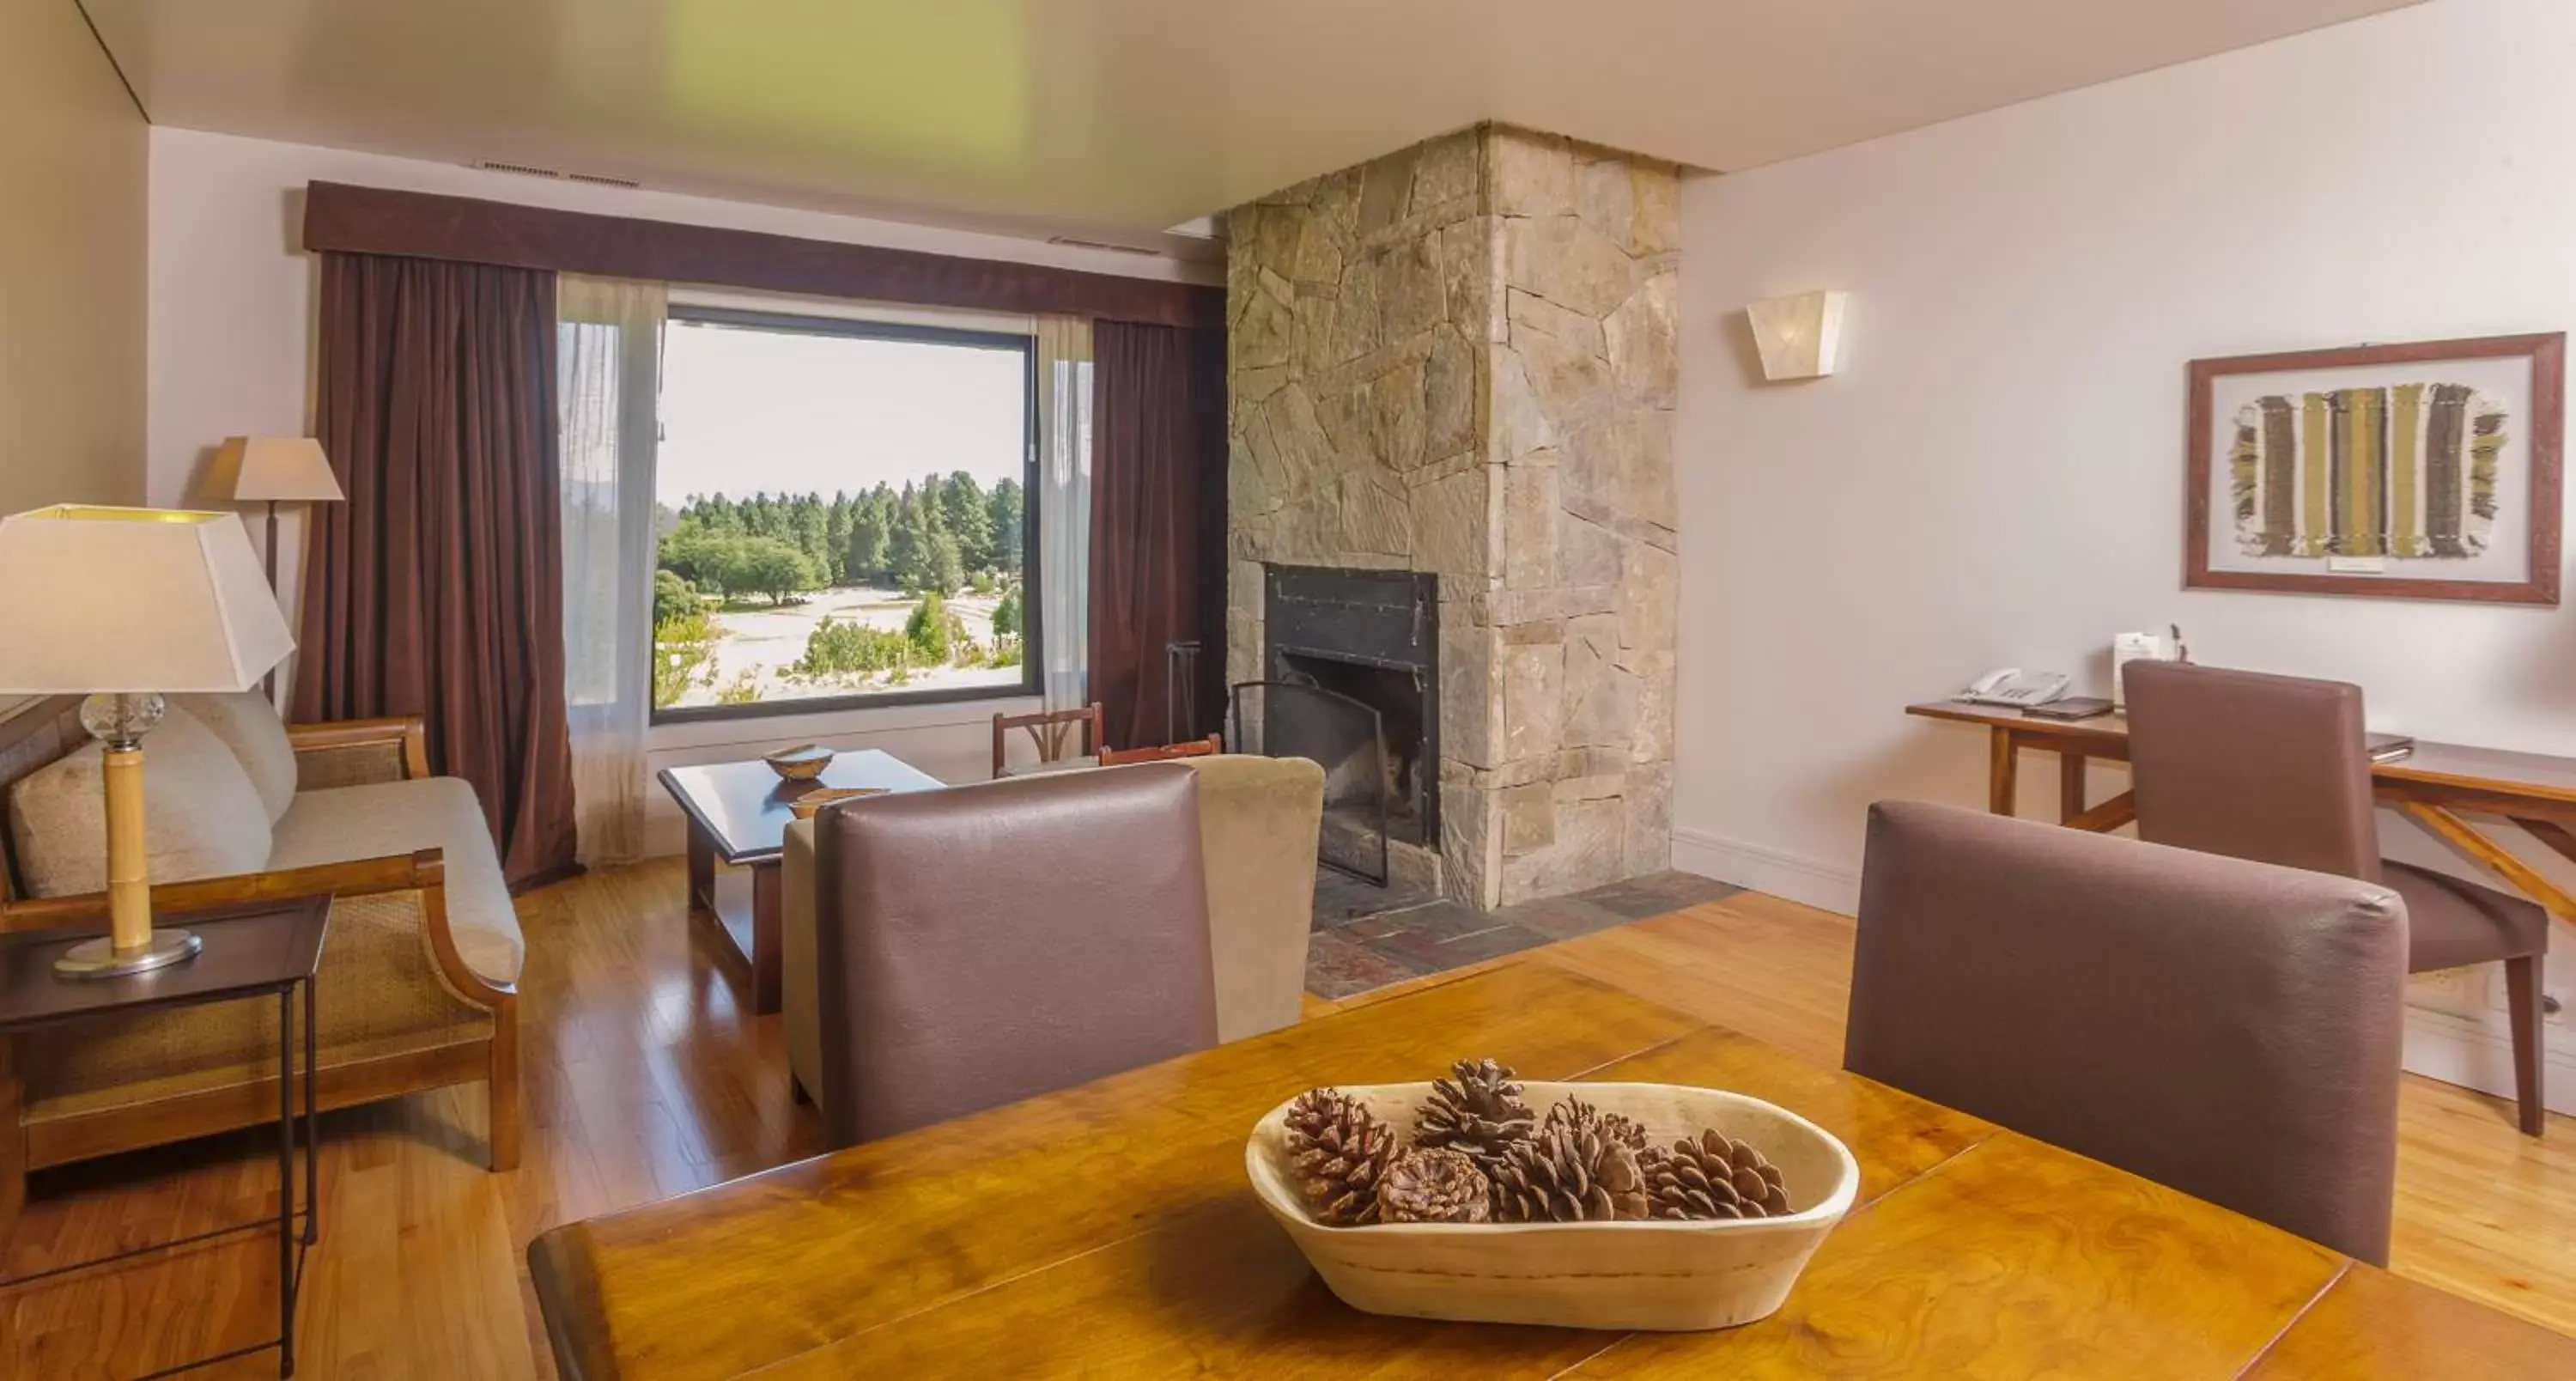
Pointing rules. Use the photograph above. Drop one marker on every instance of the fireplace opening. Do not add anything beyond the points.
(1371, 638)
(1397, 694)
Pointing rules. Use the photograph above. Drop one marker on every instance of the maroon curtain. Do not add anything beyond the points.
(437, 588)
(1157, 525)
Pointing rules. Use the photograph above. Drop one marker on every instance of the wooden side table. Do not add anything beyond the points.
(263, 950)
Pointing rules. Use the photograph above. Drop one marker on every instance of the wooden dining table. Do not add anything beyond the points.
(1109, 1230)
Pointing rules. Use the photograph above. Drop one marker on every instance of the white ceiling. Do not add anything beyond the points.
(1121, 114)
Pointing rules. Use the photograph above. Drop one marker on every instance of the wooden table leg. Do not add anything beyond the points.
(2002, 779)
(2461, 835)
(768, 936)
(2556, 836)
(13, 1144)
(2070, 787)
(702, 868)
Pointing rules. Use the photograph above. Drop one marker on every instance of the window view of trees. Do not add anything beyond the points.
(783, 595)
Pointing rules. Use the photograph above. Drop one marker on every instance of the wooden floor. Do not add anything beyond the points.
(645, 1079)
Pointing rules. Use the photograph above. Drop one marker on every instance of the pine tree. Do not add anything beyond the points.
(964, 516)
(908, 545)
(1007, 505)
(866, 556)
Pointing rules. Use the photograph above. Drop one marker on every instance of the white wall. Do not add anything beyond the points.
(1996, 475)
(232, 322)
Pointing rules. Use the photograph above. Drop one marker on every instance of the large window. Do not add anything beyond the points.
(843, 514)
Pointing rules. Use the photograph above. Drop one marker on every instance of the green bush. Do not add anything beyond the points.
(673, 598)
(931, 630)
(744, 689)
(1006, 615)
(836, 648)
(683, 649)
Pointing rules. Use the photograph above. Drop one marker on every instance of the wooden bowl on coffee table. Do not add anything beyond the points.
(1657, 1275)
(802, 763)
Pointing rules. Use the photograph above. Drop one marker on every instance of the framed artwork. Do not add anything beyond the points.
(2425, 471)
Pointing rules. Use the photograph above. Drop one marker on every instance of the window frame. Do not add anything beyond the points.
(1032, 624)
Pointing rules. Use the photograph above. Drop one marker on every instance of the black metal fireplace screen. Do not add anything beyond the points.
(1282, 719)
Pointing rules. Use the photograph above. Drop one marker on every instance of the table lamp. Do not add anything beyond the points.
(275, 470)
(121, 605)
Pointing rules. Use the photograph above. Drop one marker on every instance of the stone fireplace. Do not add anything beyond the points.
(1451, 379)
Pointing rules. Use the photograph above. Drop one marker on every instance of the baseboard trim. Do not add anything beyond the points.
(1764, 869)
(2472, 1054)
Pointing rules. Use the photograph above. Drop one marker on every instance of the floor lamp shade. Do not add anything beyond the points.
(122, 604)
(276, 469)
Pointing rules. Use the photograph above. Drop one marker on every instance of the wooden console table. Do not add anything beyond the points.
(2432, 785)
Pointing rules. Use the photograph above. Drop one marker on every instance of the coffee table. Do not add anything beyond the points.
(739, 812)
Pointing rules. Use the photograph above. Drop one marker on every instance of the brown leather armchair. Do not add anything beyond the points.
(2277, 769)
(991, 942)
(2228, 1028)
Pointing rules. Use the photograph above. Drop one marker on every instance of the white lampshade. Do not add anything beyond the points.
(287, 469)
(133, 600)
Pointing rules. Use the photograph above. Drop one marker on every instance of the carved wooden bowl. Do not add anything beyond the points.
(802, 763)
(1660, 1275)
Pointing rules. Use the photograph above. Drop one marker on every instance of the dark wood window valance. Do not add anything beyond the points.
(372, 220)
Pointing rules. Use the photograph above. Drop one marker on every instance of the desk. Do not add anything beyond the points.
(1109, 1231)
(2431, 786)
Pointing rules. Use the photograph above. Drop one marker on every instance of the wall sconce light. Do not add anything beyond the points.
(1798, 336)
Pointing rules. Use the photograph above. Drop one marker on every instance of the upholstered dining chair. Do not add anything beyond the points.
(1064, 739)
(2277, 769)
(2227, 1028)
(995, 941)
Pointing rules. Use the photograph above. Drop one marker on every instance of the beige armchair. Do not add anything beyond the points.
(419, 977)
(1258, 821)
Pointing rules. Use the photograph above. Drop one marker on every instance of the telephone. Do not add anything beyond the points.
(2015, 687)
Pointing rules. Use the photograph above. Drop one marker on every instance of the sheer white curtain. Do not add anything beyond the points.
(608, 374)
(1064, 507)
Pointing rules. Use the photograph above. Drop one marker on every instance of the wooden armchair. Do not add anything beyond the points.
(404, 1004)
(1053, 731)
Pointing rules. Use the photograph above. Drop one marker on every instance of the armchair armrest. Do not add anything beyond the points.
(354, 752)
(360, 877)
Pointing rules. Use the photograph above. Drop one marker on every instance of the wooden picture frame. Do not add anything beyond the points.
(2538, 415)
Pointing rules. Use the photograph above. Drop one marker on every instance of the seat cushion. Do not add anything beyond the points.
(2452, 921)
(349, 823)
(201, 817)
(249, 726)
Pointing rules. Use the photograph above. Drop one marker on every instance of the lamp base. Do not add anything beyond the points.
(98, 958)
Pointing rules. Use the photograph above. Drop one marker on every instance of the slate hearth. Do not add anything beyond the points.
(1367, 937)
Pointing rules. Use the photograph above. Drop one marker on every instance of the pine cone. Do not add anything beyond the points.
(1434, 1186)
(1481, 1114)
(1574, 1114)
(1569, 1176)
(1712, 1177)
(1337, 1150)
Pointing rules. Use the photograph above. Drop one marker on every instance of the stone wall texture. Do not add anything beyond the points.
(1460, 358)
